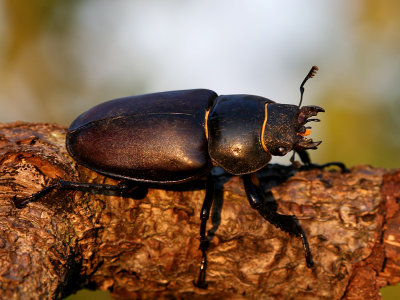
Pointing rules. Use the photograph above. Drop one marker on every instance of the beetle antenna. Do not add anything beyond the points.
(310, 74)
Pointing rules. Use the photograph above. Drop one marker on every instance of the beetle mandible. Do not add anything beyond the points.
(178, 136)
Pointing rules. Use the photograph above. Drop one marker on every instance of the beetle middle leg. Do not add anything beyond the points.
(204, 239)
(268, 209)
(124, 187)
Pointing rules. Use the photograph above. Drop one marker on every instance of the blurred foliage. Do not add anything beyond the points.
(355, 130)
(36, 65)
(27, 20)
(90, 295)
(45, 46)
(390, 292)
(362, 123)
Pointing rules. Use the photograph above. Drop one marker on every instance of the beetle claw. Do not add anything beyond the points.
(305, 143)
(313, 120)
(305, 113)
(309, 111)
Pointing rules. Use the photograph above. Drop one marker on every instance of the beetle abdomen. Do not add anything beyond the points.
(145, 145)
(155, 148)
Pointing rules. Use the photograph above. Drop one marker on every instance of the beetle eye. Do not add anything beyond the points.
(282, 150)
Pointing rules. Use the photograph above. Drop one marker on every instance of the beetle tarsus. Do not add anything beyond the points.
(22, 202)
(201, 280)
(340, 165)
(306, 246)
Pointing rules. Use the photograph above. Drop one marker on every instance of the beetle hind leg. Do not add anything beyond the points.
(268, 209)
(204, 239)
(22, 202)
(124, 188)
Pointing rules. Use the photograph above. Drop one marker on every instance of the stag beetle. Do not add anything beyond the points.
(178, 136)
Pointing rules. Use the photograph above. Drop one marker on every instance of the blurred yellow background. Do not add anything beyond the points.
(59, 58)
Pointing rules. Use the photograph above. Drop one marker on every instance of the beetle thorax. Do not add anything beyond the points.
(234, 129)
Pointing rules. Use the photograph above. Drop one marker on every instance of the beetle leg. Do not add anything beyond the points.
(123, 188)
(268, 209)
(294, 162)
(305, 158)
(204, 240)
(22, 202)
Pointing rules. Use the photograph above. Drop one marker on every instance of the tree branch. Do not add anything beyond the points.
(149, 248)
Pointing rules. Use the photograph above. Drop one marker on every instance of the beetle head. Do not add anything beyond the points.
(285, 130)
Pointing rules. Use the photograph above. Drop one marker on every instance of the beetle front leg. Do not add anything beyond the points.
(268, 209)
(204, 240)
(305, 159)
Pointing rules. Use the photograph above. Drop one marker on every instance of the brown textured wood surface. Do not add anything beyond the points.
(149, 248)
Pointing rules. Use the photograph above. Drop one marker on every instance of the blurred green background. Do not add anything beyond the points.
(59, 58)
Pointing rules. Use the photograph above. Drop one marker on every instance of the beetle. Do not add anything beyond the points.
(174, 137)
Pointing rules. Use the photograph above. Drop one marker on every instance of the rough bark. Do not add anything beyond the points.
(149, 248)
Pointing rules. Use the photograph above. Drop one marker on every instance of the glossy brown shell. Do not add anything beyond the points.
(157, 138)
